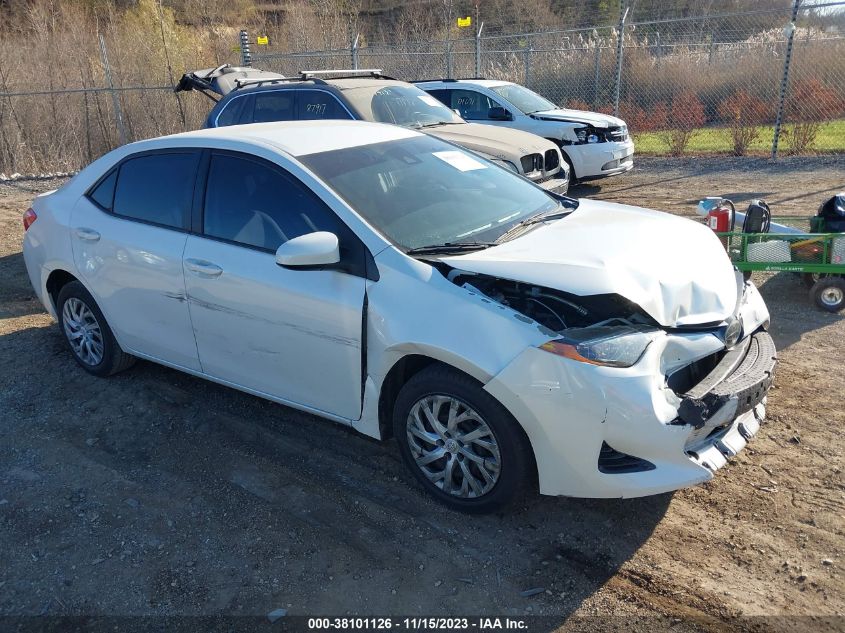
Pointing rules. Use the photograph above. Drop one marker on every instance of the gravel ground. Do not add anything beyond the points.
(156, 493)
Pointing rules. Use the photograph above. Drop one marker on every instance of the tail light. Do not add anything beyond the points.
(28, 218)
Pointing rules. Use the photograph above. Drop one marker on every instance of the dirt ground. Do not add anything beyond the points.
(156, 493)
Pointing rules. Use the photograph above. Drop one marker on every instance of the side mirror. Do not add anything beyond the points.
(311, 249)
(498, 113)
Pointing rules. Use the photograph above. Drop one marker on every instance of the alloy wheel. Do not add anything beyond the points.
(453, 446)
(83, 331)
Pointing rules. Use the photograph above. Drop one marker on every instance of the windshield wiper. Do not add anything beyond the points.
(449, 247)
(439, 123)
(545, 216)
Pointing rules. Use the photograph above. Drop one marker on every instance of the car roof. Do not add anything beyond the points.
(297, 138)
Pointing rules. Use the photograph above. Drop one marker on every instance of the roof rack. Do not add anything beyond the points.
(272, 80)
(446, 79)
(351, 73)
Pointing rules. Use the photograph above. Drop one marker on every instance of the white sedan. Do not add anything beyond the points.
(506, 337)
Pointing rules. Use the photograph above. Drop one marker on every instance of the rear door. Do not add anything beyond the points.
(292, 334)
(128, 236)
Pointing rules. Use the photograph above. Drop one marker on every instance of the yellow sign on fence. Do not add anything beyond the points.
(262, 40)
(464, 22)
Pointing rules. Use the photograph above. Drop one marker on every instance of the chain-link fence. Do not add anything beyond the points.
(764, 81)
(716, 83)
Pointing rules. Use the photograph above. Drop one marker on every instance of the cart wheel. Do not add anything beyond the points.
(829, 293)
(810, 279)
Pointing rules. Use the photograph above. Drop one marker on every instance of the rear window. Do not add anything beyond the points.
(231, 113)
(315, 104)
(157, 188)
(103, 193)
(274, 106)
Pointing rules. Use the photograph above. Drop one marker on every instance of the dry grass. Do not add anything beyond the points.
(58, 43)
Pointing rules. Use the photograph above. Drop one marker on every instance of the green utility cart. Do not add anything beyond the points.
(819, 258)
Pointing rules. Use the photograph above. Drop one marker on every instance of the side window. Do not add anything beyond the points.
(255, 204)
(442, 96)
(276, 105)
(316, 104)
(157, 188)
(472, 105)
(103, 193)
(231, 112)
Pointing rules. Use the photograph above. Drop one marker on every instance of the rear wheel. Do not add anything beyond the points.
(460, 443)
(829, 293)
(87, 334)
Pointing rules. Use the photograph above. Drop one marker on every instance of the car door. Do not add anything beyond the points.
(128, 234)
(292, 334)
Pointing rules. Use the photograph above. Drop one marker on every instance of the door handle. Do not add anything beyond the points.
(203, 268)
(89, 235)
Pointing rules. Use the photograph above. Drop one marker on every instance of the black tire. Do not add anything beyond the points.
(829, 293)
(573, 177)
(113, 359)
(516, 468)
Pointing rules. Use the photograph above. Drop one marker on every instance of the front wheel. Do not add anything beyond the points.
(460, 443)
(829, 293)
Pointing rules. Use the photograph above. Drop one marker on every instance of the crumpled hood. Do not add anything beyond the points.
(498, 142)
(595, 119)
(673, 268)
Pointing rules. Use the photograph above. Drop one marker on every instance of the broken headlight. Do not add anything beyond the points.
(586, 135)
(609, 346)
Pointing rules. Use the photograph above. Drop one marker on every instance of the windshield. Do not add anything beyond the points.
(401, 105)
(527, 101)
(421, 191)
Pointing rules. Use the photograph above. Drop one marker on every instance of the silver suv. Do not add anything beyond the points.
(595, 145)
(250, 95)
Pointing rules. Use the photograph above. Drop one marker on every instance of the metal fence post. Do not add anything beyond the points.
(118, 112)
(529, 49)
(658, 52)
(246, 56)
(597, 70)
(784, 82)
(355, 51)
(478, 50)
(619, 49)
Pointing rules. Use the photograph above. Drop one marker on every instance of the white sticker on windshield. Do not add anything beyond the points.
(429, 100)
(461, 161)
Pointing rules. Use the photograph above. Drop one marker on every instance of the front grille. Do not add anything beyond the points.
(532, 162)
(552, 160)
(612, 462)
(617, 133)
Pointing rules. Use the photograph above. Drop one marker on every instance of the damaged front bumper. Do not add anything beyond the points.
(738, 383)
(625, 432)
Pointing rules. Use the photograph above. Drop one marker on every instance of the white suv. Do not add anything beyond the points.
(595, 145)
